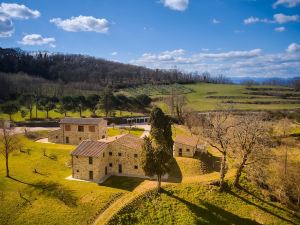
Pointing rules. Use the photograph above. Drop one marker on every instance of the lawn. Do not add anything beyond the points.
(203, 204)
(200, 98)
(204, 96)
(45, 196)
(113, 131)
(55, 115)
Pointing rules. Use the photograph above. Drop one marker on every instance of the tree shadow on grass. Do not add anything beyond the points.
(211, 214)
(175, 174)
(266, 202)
(210, 162)
(53, 190)
(125, 183)
(260, 207)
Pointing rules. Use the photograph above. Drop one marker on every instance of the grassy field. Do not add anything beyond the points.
(55, 115)
(204, 96)
(203, 204)
(45, 196)
(113, 131)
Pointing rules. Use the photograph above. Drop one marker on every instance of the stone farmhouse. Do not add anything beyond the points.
(75, 130)
(98, 160)
(187, 146)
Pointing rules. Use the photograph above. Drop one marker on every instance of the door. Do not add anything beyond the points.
(180, 152)
(67, 140)
(120, 168)
(91, 175)
(106, 170)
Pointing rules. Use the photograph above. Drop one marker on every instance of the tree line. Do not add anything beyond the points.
(106, 101)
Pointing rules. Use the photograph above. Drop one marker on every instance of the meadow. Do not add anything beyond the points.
(39, 193)
(206, 96)
(203, 204)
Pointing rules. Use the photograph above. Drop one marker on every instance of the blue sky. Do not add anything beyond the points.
(233, 37)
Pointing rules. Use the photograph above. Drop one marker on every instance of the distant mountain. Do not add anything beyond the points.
(264, 80)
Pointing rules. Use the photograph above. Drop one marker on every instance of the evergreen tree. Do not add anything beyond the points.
(158, 150)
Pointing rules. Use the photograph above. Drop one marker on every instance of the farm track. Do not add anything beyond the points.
(146, 187)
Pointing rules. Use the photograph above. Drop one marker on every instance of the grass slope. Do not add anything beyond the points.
(204, 96)
(46, 197)
(202, 204)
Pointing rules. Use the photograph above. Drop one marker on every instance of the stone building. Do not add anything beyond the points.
(98, 160)
(75, 130)
(187, 146)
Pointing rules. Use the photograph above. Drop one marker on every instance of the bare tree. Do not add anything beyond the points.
(217, 127)
(250, 143)
(8, 143)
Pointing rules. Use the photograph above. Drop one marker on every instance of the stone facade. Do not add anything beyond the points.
(187, 146)
(74, 130)
(120, 156)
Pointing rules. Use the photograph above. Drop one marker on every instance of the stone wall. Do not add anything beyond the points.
(74, 136)
(55, 136)
(120, 155)
(187, 151)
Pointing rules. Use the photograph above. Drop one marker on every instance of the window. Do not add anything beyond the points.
(90, 160)
(91, 128)
(135, 155)
(103, 136)
(103, 154)
(67, 140)
(67, 128)
(188, 150)
(119, 154)
(91, 175)
(136, 167)
(80, 139)
(56, 137)
(76, 156)
(80, 128)
(120, 168)
(110, 164)
(77, 171)
(110, 153)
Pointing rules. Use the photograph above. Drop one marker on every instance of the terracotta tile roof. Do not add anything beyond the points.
(89, 148)
(130, 141)
(187, 140)
(81, 121)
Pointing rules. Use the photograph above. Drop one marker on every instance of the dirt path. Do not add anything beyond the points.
(125, 199)
(143, 188)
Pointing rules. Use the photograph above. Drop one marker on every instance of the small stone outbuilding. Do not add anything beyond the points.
(75, 130)
(187, 146)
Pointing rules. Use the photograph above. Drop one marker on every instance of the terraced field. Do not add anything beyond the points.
(203, 96)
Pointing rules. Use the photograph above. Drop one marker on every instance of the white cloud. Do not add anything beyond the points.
(215, 21)
(114, 53)
(82, 23)
(294, 47)
(287, 3)
(252, 19)
(281, 18)
(179, 5)
(37, 39)
(231, 63)
(279, 29)
(6, 27)
(16, 11)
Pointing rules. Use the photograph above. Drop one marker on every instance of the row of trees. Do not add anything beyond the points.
(106, 101)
